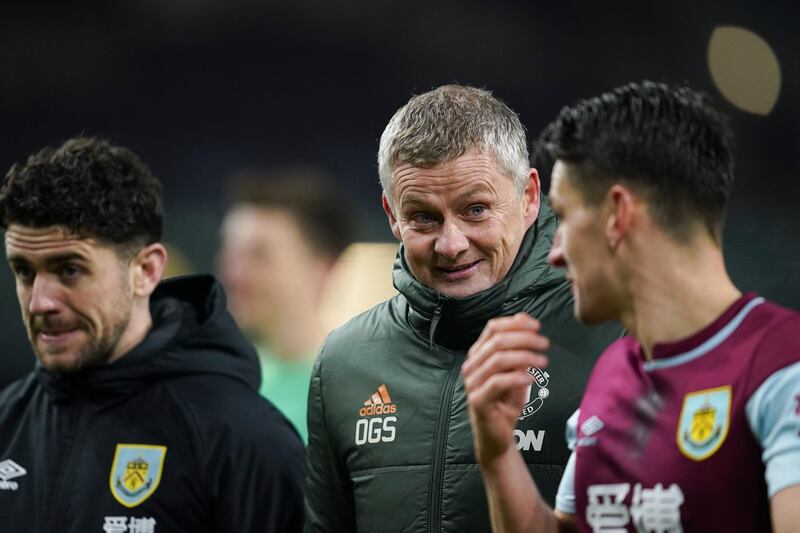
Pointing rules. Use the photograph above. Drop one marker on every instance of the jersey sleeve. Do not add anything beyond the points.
(565, 497)
(773, 412)
(571, 430)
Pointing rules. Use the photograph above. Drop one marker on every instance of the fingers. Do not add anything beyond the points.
(518, 332)
(495, 373)
(504, 388)
(506, 341)
(502, 362)
(518, 321)
(496, 378)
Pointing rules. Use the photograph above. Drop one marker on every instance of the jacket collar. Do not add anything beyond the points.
(455, 323)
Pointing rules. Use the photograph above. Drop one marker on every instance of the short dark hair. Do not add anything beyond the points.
(669, 141)
(89, 186)
(325, 217)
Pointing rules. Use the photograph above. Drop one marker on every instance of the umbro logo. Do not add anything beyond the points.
(589, 428)
(592, 426)
(8, 471)
(372, 427)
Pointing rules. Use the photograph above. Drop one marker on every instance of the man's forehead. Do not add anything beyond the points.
(458, 191)
(251, 214)
(249, 224)
(27, 239)
(459, 178)
(559, 182)
(473, 159)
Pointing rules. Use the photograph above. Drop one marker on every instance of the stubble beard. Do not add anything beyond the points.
(96, 350)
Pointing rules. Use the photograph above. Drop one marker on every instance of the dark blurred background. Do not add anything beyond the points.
(200, 88)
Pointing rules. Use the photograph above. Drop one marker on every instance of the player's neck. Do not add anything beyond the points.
(138, 327)
(676, 291)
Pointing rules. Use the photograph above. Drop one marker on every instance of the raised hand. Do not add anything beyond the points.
(496, 380)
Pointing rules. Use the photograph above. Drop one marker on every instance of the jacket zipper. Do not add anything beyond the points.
(442, 427)
(60, 495)
(440, 444)
(437, 315)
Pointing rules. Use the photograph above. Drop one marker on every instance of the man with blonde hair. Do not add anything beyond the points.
(390, 445)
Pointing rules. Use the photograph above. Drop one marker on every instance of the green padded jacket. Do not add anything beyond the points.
(390, 444)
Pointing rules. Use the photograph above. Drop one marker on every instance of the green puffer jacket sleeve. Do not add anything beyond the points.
(329, 492)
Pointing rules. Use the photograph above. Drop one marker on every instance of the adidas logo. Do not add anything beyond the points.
(377, 428)
(380, 403)
(10, 470)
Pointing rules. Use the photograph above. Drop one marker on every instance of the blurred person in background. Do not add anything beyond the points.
(178, 264)
(142, 414)
(691, 423)
(390, 444)
(281, 236)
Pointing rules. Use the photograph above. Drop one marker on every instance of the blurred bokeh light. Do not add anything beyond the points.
(361, 279)
(745, 69)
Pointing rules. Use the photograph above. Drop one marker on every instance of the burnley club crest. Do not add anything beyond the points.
(704, 422)
(136, 472)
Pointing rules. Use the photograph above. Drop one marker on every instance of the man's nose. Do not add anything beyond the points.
(44, 296)
(452, 241)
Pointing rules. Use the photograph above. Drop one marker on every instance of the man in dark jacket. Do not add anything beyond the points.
(390, 444)
(142, 414)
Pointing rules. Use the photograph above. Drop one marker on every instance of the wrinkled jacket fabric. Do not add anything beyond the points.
(400, 457)
(231, 462)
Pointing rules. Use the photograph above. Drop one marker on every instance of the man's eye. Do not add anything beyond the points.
(423, 218)
(24, 273)
(476, 210)
(71, 271)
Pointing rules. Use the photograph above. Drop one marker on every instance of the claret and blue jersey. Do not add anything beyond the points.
(696, 439)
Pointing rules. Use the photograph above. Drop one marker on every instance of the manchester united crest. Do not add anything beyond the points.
(136, 472)
(704, 422)
(537, 395)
